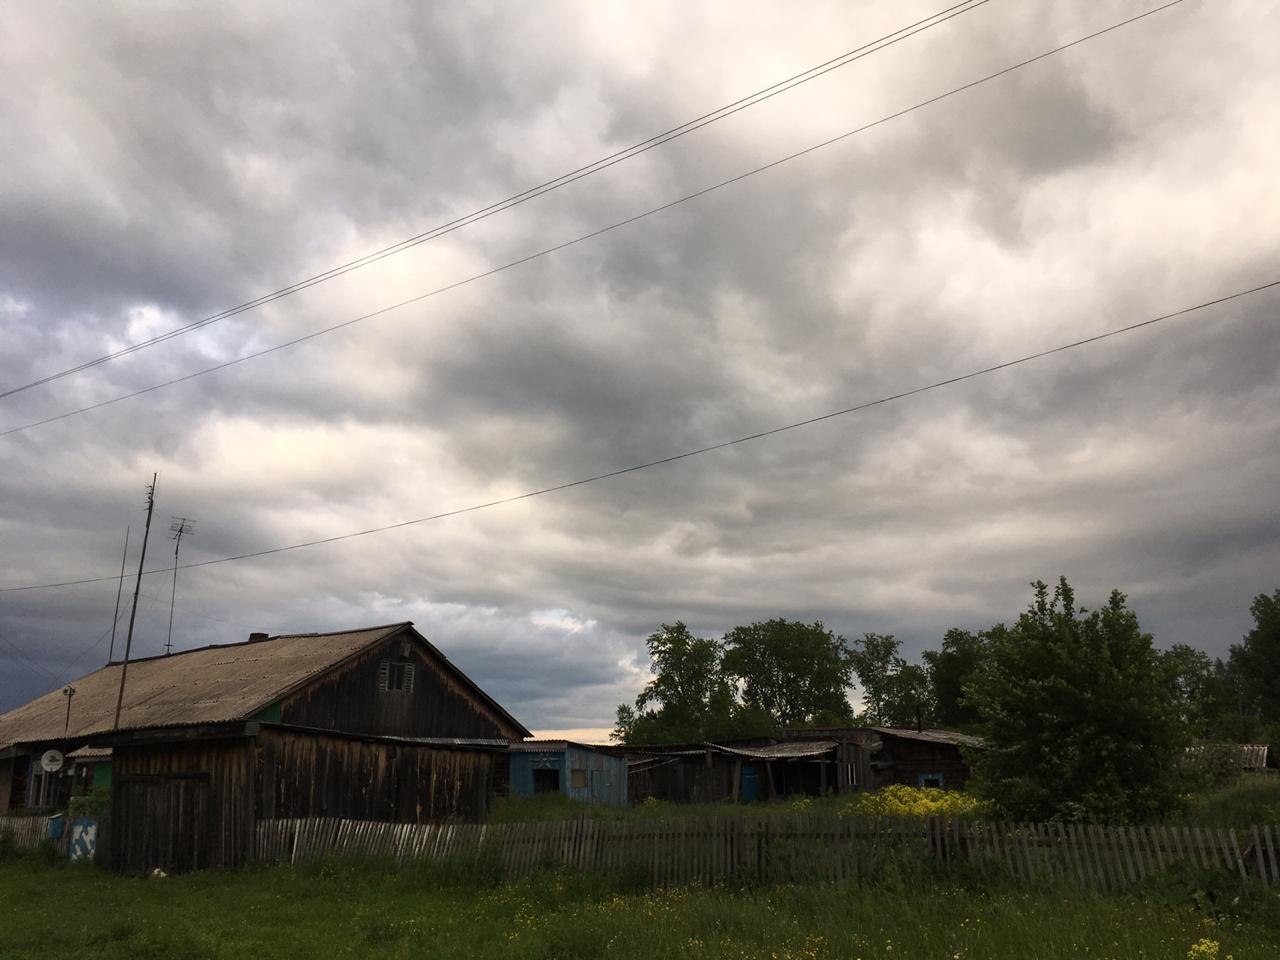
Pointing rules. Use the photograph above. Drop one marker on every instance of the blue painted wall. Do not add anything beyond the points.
(605, 776)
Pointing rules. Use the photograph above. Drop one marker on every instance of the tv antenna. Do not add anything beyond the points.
(137, 588)
(178, 528)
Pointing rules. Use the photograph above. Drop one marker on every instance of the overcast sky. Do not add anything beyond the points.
(163, 162)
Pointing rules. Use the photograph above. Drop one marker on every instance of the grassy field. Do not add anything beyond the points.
(368, 910)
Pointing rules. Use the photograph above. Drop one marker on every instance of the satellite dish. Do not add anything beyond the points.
(51, 761)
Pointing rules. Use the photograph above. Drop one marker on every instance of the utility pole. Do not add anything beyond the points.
(137, 588)
(177, 528)
(68, 691)
(111, 655)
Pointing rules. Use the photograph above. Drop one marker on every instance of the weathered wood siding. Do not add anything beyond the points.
(910, 759)
(321, 775)
(684, 780)
(182, 806)
(349, 698)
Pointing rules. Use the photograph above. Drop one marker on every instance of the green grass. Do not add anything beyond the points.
(1252, 799)
(369, 910)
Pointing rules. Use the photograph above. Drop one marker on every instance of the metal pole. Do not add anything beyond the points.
(173, 594)
(119, 587)
(179, 526)
(137, 588)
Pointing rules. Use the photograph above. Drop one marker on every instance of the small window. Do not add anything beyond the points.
(578, 778)
(929, 780)
(396, 677)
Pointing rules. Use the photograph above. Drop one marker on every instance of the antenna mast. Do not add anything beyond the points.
(137, 587)
(178, 527)
(111, 654)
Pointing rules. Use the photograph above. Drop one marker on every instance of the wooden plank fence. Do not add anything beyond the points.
(675, 851)
(29, 831)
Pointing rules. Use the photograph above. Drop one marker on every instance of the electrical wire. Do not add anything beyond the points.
(914, 391)
(587, 236)
(531, 193)
(27, 660)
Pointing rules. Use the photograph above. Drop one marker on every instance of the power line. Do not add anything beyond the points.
(531, 193)
(937, 384)
(187, 609)
(27, 660)
(93, 646)
(584, 237)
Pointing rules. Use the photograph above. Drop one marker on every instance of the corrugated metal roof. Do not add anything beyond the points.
(930, 736)
(550, 746)
(90, 754)
(1250, 756)
(209, 685)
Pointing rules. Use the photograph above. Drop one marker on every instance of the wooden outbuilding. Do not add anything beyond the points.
(922, 758)
(744, 771)
(579, 771)
(373, 724)
(805, 762)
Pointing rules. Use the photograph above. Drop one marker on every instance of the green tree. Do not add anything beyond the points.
(794, 673)
(894, 692)
(1256, 660)
(1077, 716)
(950, 669)
(689, 698)
(1197, 687)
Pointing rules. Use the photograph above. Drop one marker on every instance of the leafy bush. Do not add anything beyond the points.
(1252, 799)
(8, 845)
(93, 804)
(900, 800)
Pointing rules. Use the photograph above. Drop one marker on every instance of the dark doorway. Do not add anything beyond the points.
(546, 781)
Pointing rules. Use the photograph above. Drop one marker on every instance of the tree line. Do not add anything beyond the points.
(1082, 716)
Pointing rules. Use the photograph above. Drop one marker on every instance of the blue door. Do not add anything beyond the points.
(748, 787)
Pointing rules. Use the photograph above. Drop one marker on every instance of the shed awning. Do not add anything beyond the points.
(782, 751)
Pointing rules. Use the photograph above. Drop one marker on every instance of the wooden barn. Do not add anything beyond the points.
(373, 724)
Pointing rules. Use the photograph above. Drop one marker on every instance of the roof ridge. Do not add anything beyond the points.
(327, 633)
(245, 643)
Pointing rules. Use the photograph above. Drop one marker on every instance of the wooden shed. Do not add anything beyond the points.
(576, 770)
(922, 758)
(810, 762)
(373, 724)
(744, 771)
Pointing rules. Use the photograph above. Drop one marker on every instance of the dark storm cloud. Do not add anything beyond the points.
(160, 169)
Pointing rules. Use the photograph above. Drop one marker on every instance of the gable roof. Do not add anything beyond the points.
(215, 684)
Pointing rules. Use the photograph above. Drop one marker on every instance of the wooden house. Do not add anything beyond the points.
(371, 724)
